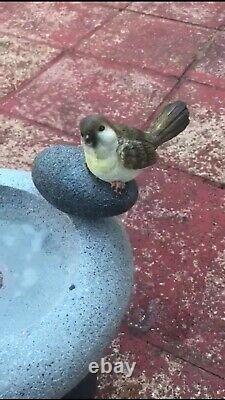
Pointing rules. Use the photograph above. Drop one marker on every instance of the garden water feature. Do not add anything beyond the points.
(66, 273)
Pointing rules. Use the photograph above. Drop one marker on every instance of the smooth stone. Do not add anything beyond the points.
(56, 316)
(61, 176)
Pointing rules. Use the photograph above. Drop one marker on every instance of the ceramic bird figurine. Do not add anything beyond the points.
(117, 153)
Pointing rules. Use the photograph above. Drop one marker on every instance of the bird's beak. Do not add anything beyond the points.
(87, 139)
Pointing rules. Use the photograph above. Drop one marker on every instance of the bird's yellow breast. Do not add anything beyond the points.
(109, 168)
(100, 166)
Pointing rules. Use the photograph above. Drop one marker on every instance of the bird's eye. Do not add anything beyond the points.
(101, 128)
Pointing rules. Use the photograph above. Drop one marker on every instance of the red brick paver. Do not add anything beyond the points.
(55, 23)
(60, 61)
(209, 14)
(147, 41)
(210, 69)
(20, 60)
(88, 86)
(157, 374)
(177, 230)
(114, 4)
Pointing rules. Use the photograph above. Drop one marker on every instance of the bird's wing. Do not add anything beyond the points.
(128, 132)
(136, 154)
(134, 151)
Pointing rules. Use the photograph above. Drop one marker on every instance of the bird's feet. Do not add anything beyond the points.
(118, 186)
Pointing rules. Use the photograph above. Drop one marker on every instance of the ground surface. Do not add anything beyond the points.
(61, 61)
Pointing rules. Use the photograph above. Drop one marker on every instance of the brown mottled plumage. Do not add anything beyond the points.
(136, 154)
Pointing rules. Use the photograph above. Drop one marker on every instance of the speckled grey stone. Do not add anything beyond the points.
(53, 326)
(61, 176)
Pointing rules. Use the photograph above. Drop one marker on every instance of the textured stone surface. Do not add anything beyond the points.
(88, 86)
(200, 149)
(61, 176)
(53, 22)
(161, 45)
(205, 13)
(210, 68)
(21, 141)
(20, 60)
(67, 329)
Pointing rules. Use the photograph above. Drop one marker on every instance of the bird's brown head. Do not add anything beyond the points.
(95, 129)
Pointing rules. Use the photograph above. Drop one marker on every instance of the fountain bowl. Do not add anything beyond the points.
(65, 286)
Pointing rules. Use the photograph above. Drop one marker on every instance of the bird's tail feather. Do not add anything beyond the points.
(173, 119)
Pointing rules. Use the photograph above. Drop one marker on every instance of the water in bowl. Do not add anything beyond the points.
(34, 270)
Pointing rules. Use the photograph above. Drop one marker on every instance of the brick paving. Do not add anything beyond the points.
(60, 61)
